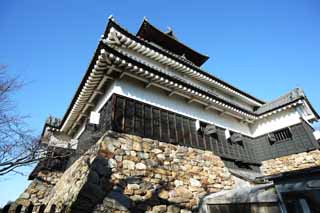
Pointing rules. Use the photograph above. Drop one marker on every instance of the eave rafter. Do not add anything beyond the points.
(152, 78)
(112, 60)
(116, 38)
(91, 88)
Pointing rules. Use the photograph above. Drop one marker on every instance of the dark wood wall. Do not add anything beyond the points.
(129, 116)
(302, 140)
(134, 117)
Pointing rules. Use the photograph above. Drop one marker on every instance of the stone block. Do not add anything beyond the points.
(141, 166)
(156, 151)
(173, 209)
(195, 182)
(136, 146)
(159, 209)
(133, 186)
(143, 155)
(164, 194)
(128, 164)
(183, 192)
(161, 156)
(24, 195)
(178, 200)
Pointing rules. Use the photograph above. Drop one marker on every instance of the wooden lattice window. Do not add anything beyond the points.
(281, 135)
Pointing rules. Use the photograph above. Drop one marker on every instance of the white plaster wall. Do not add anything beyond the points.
(192, 81)
(275, 122)
(159, 98)
(135, 89)
(110, 89)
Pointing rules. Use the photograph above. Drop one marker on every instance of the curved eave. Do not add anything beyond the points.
(112, 23)
(288, 106)
(85, 76)
(96, 59)
(196, 92)
(84, 83)
(316, 115)
(173, 79)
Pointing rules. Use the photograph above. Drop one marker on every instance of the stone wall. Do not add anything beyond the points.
(72, 181)
(39, 189)
(128, 173)
(291, 162)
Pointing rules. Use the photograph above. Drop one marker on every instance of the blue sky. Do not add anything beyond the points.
(263, 47)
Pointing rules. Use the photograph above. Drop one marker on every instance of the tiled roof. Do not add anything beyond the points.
(290, 97)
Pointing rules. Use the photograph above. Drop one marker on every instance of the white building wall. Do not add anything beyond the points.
(157, 97)
(192, 81)
(275, 122)
(107, 94)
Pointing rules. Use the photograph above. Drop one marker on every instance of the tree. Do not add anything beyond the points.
(18, 147)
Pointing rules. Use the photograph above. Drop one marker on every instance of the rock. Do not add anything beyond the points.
(183, 192)
(118, 158)
(138, 173)
(128, 191)
(146, 145)
(23, 202)
(128, 164)
(178, 200)
(309, 159)
(218, 186)
(182, 149)
(141, 166)
(143, 155)
(160, 208)
(195, 182)
(146, 186)
(32, 190)
(185, 211)
(161, 171)
(164, 194)
(139, 192)
(158, 176)
(133, 186)
(157, 151)
(195, 189)
(161, 156)
(112, 163)
(178, 183)
(148, 195)
(41, 193)
(173, 209)
(41, 187)
(137, 198)
(25, 195)
(166, 163)
(110, 147)
(137, 146)
(133, 153)
(126, 146)
(152, 163)
(196, 169)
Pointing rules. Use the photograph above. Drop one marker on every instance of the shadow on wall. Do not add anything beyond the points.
(99, 188)
(96, 188)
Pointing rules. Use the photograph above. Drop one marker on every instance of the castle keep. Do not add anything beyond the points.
(149, 130)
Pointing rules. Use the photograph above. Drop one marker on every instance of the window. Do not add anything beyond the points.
(281, 135)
